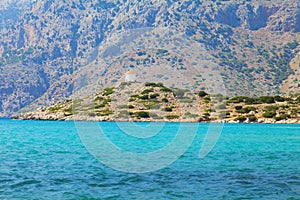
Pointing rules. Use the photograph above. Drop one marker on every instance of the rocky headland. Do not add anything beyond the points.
(155, 102)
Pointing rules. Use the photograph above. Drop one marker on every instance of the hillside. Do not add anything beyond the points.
(156, 102)
(51, 50)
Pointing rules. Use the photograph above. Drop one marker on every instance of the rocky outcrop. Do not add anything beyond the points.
(155, 102)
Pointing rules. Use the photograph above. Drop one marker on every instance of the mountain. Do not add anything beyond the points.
(51, 49)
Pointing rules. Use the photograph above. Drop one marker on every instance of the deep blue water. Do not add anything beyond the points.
(48, 160)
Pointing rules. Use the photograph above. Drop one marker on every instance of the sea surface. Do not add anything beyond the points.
(49, 160)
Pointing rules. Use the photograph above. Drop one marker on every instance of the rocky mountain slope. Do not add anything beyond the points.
(51, 50)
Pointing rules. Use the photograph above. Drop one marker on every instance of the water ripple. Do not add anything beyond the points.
(46, 160)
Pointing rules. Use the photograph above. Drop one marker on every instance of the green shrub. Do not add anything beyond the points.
(159, 85)
(240, 119)
(147, 91)
(237, 99)
(99, 106)
(165, 100)
(247, 109)
(172, 106)
(151, 104)
(266, 99)
(252, 118)
(55, 108)
(99, 98)
(206, 115)
(295, 111)
(168, 109)
(125, 83)
(131, 99)
(250, 101)
(170, 117)
(142, 114)
(202, 93)
(271, 108)
(134, 97)
(150, 84)
(108, 91)
(69, 109)
(210, 110)
(103, 104)
(269, 114)
(125, 106)
(279, 98)
(144, 97)
(238, 107)
(207, 99)
(154, 96)
(283, 117)
(242, 99)
(154, 84)
(165, 89)
(284, 106)
(105, 112)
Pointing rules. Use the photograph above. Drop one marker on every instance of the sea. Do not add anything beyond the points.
(135, 160)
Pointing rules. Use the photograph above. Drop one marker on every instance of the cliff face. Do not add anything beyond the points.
(50, 47)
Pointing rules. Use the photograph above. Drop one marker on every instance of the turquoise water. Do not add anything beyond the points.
(47, 160)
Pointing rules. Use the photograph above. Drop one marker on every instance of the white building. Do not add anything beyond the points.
(130, 76)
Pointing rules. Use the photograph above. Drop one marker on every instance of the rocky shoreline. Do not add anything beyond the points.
(153, 102)
(60, 117)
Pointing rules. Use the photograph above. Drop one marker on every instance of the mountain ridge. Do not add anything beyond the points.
(249, 44)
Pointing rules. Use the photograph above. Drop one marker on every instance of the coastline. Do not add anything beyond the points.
(153, 102)
(33, 116)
